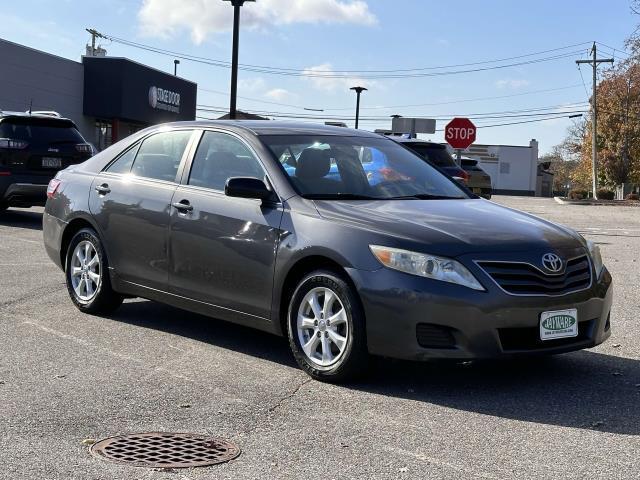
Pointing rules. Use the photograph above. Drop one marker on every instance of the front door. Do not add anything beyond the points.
(131, 201)
(222, 248)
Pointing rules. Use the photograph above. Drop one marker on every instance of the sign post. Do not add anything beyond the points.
(460, 133)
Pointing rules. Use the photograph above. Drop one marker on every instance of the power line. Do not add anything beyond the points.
(345, 72)
(389, 107)
(586, 91)
(516, 123)
(614, 50)
(480, 117)
(502, 113)
(364, 74)
(556, 117)
(477, 99)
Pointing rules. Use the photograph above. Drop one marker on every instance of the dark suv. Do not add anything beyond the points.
(437, 154)
(33, 148)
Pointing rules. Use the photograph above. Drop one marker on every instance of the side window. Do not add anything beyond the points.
(159, 155)
(124, 162)
(219, 157)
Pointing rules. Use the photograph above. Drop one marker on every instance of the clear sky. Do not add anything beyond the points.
(360, 35)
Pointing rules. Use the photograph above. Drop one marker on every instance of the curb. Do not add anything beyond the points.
(606, 203)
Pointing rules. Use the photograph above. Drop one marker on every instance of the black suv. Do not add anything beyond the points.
(435, 153)
(33, 148)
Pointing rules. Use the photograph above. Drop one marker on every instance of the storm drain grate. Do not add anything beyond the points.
(165, 450)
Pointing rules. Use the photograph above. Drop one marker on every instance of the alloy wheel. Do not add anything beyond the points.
(323, 329)
(85, 271)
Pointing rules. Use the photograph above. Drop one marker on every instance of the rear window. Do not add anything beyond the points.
(471, 165)
(45, 131)
(435, 154)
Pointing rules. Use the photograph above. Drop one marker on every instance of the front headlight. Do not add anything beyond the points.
(424, 265)
(596, 258)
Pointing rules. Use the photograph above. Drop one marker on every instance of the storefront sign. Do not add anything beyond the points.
(164, 99)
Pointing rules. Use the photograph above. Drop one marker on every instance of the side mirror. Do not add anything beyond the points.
(247, 187)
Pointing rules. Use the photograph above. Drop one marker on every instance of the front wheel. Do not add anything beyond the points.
(326, 328)
(87, 275)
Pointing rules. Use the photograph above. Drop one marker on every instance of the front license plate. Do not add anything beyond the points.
(559, 324)
(477, 190)
(51, 162)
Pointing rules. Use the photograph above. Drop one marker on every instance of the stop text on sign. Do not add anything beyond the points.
(460, 133)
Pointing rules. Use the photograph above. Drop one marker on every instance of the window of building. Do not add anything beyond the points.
(220, 157)
(104, 134)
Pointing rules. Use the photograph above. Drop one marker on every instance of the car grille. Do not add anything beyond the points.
(525, 279)
(435, 336)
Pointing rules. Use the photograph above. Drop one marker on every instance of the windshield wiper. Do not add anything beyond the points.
(426, 196)
(339, 196)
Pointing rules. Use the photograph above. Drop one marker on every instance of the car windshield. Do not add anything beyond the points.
(343, 167)
(436, 154)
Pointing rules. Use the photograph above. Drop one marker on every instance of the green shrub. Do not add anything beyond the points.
(578, 194)
(604, 194)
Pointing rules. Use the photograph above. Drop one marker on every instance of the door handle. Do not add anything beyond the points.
(183, 206)
(103, 189)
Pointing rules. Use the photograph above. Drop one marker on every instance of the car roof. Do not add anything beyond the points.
(276, 127)
(7, 114)
(415, 141)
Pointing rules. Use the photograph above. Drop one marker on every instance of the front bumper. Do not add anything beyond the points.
(465, 324)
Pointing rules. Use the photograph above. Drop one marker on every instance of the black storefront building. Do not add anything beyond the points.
(107, 97)
(124, 96)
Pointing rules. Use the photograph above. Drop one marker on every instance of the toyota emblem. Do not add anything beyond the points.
(552, 262)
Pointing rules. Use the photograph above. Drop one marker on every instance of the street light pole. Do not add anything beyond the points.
(358, 91)
(176, 62)
(234, 56)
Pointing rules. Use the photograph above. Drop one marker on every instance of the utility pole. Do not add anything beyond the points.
(625, 157)
(234, 56)
(594, 114)
(358, 91)
(94, 33)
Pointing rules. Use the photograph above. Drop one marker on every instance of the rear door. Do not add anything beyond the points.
(222, 248)
(131, 202)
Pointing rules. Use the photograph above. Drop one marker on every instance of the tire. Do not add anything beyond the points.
(88, 283)
(332, 353)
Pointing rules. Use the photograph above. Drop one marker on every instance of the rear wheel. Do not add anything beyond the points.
(87, 275)
(326, 328)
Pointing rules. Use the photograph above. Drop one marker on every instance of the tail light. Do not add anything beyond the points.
(12, 144)
(462, 176)
(53, 186)
(84, 148)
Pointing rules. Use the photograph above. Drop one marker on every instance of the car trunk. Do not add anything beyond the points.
(40, 146)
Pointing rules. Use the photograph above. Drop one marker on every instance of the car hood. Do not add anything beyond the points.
(452, 227)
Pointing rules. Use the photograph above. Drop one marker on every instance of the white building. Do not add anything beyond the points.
(513, 169)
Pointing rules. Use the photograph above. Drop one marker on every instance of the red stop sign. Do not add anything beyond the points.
(460, 133)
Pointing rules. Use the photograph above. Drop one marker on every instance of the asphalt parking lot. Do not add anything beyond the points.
(66, 377)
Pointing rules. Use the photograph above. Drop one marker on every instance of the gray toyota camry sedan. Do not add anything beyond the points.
(342, 240)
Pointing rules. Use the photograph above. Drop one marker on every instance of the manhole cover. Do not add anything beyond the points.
(165, 450)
